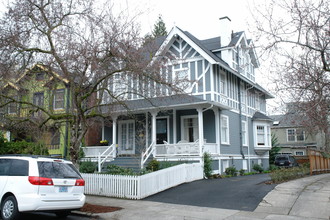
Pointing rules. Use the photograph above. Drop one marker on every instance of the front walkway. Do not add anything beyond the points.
(306, 198)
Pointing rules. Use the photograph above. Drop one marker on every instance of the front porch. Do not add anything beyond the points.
(181, 151)
(180, 128)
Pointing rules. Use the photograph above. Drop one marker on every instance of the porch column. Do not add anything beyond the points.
(153, 126)
(147, 130)
(174, 127)
(103, 129)
(114, 129)
(200, 130)
(217, 128)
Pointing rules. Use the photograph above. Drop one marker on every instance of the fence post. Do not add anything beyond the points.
(310, 162)
(99, 162)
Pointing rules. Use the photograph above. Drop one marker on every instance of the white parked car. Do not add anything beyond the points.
(33, 183)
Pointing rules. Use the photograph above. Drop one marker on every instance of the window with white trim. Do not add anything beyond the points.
(181, 78)
(261, 138)
(263, 135)
(224, 122)
(299, 153)
(12, 106)
(295, 135)
(58, 99)
(223, 84)
(244, 133)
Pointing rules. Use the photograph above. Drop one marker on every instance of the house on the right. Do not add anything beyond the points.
(292, 136)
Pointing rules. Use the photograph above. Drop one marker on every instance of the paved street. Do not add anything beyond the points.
(239, 193)
(301, 199)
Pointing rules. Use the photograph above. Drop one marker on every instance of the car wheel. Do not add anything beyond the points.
(9, 210)
(62, 214)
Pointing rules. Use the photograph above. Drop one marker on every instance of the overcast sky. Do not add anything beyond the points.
(200, 18)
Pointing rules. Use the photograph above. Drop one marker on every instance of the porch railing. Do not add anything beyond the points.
(102, 153)
(145, 155)
(179, 149)
(184, 148)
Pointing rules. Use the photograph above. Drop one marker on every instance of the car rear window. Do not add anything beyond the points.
(281, 158)
(57, 170)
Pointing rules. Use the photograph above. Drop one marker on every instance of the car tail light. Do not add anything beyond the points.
(80, 182)
(41, 181)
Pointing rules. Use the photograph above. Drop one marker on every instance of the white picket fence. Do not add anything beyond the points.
(139, 187)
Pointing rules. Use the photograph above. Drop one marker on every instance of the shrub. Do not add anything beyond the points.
(87, 167)
(231, 171)
(207, 165)
(167, 164)
(153, 165)
(258, 168)
(117, 170)
(23, 147)
(273, 167)
(241, 172)
(285, 174)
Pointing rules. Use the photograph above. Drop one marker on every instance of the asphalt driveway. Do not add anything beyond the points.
(239, 193)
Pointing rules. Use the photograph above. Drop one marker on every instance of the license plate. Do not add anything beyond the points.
(63, 189)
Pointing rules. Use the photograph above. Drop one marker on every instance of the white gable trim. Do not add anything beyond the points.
(170, 39)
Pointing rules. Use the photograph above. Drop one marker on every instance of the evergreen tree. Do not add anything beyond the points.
(275, 149)
(159, 28)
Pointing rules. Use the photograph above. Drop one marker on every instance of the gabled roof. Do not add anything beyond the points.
(44, 68)
(258, 116)
(208, 49)
(288, 120)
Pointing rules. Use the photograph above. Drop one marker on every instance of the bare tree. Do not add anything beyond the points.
(90, 47)
(295, 35)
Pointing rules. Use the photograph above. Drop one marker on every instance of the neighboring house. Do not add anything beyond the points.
(292, 136)
(43, 88)
(222, 112)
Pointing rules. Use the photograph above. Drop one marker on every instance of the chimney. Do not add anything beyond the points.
(225, 31)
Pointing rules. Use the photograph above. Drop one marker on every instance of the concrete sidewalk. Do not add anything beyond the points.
(306, 198)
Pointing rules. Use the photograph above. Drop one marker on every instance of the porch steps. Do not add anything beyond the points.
(127, 161)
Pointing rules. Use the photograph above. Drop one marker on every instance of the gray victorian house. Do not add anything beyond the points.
(223, 110)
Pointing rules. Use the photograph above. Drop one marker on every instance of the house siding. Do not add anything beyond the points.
(234, 139)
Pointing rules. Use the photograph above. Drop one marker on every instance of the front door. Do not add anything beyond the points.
(189, 128)
(126, 137)
(162, 130)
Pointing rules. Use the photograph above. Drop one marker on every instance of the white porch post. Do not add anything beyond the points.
(200, 130)
(114, 132)
(147, 130)
(217, 128)
(103, 129)
(153, 126)
(174, 127)
(217, 134)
